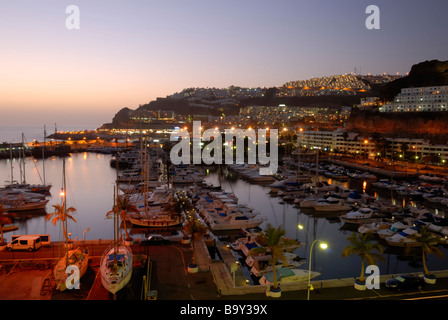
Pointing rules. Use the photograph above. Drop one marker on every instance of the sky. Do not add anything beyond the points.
(127, 53)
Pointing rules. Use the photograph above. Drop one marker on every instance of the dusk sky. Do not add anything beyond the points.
(127, 53)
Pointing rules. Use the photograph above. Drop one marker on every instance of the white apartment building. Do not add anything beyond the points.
(354, 143)
(419, 99)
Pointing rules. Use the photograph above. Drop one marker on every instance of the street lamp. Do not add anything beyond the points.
(323, 246)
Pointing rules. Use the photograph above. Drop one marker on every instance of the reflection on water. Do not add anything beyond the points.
(90, 181)
(90, 185)
(328, 229)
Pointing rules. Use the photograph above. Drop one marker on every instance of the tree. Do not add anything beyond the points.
(385, 145)
(3, 221)
(61, 214)
(432, 158)
(272, 239)
(426, 240)
(122, 206)
(404, 148)
(196, 229)
(345, 136)
(361, 246)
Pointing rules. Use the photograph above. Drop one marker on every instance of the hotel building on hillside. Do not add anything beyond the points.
(419, 99)
(352, 142)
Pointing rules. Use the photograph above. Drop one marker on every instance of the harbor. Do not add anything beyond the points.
(213, 193)
(29, 279)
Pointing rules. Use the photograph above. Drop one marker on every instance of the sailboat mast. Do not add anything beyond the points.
(23, 158)
(12, 168)
(115, 223)
(64, 209)
(43, 155)
(145, 179)
(317, 168)
(20, 165)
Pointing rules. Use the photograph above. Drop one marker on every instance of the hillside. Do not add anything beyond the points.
(427, 125)
(424, 74)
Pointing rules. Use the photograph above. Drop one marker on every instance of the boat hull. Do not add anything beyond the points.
(235, 226)
(59, 271)
(116, 279)
(359, 220)
(155, 223)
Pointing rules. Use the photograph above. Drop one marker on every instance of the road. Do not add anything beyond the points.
(170, 278)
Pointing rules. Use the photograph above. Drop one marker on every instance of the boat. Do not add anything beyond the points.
(79, 257)
(13, 205)
(116, 260)
(331, 205)
(288, 275)
(404, 238)
(116, 266)
(19, 197)
(241, 243)
(234, 222)
(157, 220)
(393, 229)
(374, 227)
(363, 215)
(309, 202)
(8, 228)
(260, 264)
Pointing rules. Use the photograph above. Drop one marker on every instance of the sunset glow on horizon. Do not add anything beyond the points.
(128, 53)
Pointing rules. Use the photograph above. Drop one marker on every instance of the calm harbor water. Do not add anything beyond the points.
(14, 133)
(330, 230)
(90, 185)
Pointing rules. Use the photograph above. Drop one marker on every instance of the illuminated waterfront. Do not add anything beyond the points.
(90, 182)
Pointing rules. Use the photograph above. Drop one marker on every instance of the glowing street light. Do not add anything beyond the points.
(323, 246)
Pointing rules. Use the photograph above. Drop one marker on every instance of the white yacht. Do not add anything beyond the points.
(363, 215)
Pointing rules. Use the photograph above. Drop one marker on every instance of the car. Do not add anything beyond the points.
(155, 239)
(28, 242)
(405, 282)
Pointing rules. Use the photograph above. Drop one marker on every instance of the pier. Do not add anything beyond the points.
(27, 276)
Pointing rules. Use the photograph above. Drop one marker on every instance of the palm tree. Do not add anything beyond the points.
(426, 240)
(196, 229)
(122, 206)
(3, 220)
(273, 240)
(61, 214)
(361, 246)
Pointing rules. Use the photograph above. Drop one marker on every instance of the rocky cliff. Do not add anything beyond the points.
(427, 125)
(403, 122)
(424, 74)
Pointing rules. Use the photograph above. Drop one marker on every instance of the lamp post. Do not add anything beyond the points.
(324, 246)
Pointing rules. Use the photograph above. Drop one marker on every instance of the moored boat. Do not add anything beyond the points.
(157, 220)
(404, 238)
(363, 215)
(79, 258)
(288, 275)
(116, 266)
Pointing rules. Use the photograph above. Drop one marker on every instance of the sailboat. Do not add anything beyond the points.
(162, 218)
(116, 262)
(78, 257)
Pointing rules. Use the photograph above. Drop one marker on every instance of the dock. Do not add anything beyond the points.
(27, 276)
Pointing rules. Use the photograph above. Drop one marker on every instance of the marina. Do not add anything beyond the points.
(93, 199)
